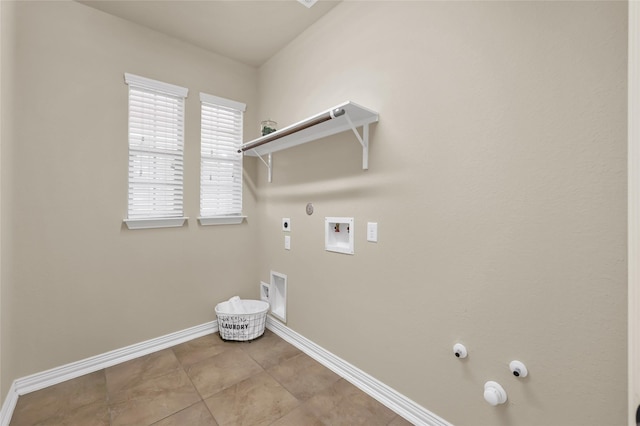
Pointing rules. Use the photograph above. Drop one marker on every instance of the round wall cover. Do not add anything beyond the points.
(309, 209)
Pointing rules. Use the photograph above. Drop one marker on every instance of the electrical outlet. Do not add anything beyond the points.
(286, 224)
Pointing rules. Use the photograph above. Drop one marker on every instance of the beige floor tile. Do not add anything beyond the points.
(201, 348)
(303, 376)
(270, 350)
(196, 415)
(132, 373)
(95, 414)
(344, 404)
(399, 421)
(298, 417)
(167, 388)
(218, 372)
(258, 400)
(152, 399)
(58, 400)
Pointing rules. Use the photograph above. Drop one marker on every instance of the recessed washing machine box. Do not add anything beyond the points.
(338, 234)
(278, 296)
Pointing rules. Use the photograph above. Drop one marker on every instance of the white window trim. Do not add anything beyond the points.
(210, 99)
(159, 86)
(171, 222)
(234, 219)
(221, 220)
(171, 89)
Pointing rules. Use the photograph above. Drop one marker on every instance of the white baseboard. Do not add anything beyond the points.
(9, 404)
(395, 401)
(70, 371)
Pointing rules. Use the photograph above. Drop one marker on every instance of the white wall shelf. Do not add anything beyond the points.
(341, 118)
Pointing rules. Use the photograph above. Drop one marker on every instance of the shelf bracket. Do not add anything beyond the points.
(268, 163)
(364, 141)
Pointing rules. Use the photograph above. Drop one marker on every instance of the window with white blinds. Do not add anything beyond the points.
(220, 162)
(156, 148)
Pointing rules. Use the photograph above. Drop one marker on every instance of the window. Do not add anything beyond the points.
(156, 147)
(220, 161)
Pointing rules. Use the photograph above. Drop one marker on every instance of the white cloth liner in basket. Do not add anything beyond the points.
(241, 319)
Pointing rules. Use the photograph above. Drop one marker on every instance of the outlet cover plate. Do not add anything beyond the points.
(372, 232)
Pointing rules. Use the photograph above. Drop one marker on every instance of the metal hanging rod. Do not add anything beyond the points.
(293, 129)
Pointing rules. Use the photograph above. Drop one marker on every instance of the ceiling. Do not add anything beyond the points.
(248, 31)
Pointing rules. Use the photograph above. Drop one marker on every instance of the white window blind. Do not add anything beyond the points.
(220, 162)
(156, 147)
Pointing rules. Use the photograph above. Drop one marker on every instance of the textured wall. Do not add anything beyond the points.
(498, 179)
(497, 175)
(6, 51)
(80, 283)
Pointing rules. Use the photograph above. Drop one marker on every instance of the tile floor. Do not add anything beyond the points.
(208, 381)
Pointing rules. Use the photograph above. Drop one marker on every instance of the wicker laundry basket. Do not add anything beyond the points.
(242, 326)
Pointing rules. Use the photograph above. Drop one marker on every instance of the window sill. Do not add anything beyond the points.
(170, 222)
(221, 220)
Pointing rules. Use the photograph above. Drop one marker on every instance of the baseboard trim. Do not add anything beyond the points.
(9, 405)
(386, 395)
(70, 371)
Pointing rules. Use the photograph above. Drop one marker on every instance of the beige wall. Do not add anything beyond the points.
(78, 282)
(498, 179)
(1, 133)
(7, 54)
